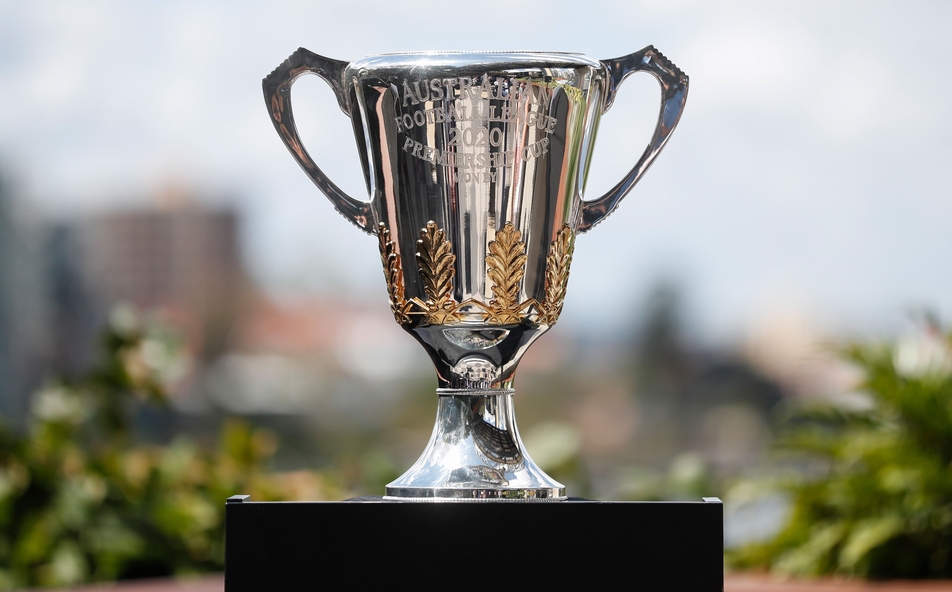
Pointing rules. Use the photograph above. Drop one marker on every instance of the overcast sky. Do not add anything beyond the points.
(811, 168)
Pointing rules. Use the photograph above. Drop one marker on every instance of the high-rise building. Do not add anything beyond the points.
(23, 329)
(6, 300)
(184, 261)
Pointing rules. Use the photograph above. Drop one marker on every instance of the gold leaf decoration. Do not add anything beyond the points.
(436, 259)
(393, 273)
(557, 274)
(506, 266)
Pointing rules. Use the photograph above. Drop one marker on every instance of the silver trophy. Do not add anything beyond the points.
(475, 164)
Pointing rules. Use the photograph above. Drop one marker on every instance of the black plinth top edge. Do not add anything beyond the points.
(238, 499)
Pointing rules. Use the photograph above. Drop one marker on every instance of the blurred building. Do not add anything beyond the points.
(183, 261)
(23, 308)
(74, 317)
(691, 398)
(6, 297)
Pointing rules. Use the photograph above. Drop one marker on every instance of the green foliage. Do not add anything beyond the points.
(688, 478)
(81, 501)
(876, 500)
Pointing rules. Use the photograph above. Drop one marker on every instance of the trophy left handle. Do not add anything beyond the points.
(674, 93)
(277, 96)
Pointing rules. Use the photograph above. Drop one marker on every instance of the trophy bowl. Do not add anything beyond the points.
(475, 164)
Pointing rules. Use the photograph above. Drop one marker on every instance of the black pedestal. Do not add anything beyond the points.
(473, 545)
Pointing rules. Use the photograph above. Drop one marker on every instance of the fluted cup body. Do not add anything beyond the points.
(476, 165)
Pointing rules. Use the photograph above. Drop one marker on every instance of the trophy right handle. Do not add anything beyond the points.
(277, 96)
(674, 93)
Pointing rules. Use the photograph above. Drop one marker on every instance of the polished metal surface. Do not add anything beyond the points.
(475, 453)
(475, 163)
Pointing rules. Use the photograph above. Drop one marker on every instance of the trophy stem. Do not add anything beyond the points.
(475, 453)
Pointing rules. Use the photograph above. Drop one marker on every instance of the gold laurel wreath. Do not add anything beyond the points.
(506, 268)
(437, 269)
(393, 273)
(557, 274)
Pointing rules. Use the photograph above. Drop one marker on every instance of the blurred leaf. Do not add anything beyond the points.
(877, 501)
(79, 501)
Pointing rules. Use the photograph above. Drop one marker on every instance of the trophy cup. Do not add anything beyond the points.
(475, 163)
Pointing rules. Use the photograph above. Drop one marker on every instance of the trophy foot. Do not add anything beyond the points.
(475, 454)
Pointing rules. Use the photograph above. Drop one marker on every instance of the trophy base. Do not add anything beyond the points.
(444, 495)
(369, 544)
(475, 454)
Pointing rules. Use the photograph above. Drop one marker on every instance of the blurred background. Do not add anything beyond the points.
(803, 201)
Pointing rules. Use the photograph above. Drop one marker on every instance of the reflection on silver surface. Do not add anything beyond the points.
(475, 339)
(475, 163)
(475, 453)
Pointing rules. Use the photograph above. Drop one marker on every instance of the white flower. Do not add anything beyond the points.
(927, 355)
(57, 403)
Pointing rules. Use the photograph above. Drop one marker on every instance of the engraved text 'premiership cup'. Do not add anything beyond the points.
(475, 163)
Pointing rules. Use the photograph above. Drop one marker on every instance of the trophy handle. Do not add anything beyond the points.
(277, 96)
(674, 93)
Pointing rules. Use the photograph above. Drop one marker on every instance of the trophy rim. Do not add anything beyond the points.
(474, 52)
(471, 58)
